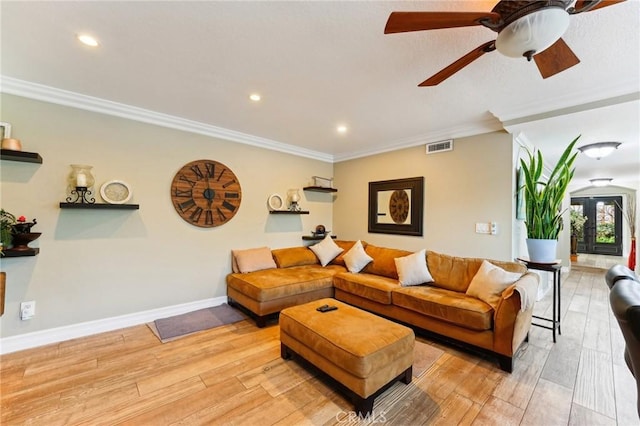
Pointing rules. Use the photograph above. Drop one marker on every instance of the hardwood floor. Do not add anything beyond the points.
(234, 375)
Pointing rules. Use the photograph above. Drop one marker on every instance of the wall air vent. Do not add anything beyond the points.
(440, 146)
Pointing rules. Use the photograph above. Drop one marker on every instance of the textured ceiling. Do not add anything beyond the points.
(319, 64)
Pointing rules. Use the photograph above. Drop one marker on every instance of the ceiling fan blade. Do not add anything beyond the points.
(400, 22)
(581, 4)
(459, 64)
(557, 58)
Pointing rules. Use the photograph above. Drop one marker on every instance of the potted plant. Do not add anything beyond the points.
(7, 220)
(543, 199)
(577, 228)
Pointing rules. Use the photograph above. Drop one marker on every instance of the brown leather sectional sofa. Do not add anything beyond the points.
(440, 308)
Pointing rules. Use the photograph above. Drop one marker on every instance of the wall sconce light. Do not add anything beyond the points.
(599, 150)
(600, 181)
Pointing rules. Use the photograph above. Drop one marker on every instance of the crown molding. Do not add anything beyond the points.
(27, 89)
(487, 125)
(561, 105)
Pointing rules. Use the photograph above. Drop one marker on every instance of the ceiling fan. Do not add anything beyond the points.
(532, 29)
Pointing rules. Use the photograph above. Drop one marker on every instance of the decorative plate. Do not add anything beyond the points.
(116, 192)
(275, 202)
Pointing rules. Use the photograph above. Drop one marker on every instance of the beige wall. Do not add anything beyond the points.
(473, 183)
(101, 264)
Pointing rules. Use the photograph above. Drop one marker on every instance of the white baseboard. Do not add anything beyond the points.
(59, 334)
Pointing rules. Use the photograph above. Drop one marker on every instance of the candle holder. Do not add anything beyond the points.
(294, 198)
(81, 195)
(78, 183)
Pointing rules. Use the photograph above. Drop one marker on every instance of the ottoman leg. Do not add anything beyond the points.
(285, 352)
(407, 375)
(364, 406)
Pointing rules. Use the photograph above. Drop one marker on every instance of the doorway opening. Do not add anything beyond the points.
(602, 233)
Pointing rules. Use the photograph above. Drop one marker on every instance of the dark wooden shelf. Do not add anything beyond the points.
(20, 253)
(315, 237)
(22, 156)
(288, 212)
(319, 189)
(99, 206)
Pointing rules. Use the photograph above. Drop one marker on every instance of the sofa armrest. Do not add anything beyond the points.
(511, 323)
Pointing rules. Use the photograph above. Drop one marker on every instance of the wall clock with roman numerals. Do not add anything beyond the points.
(206, 193)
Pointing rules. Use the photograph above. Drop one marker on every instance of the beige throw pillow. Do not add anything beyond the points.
(255, 259)
(412, 269)
(356, 258)
(326, 250)
(489, 283)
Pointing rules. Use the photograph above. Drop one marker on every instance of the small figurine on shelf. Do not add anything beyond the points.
(320, 231)
(22, 235)
(15, 234)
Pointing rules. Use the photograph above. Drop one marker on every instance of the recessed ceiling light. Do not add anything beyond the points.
(255, 97)
(88, 40)
(342, 129)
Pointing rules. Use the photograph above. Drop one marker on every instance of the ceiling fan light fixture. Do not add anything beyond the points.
(533, 33)
(600, 181)
(599, 150)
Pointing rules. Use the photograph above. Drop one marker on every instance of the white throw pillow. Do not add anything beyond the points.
(412, 269)
(356, 258)
(489, 283)
(251, 260)
(326, 250)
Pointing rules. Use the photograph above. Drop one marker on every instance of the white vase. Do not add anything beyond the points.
(542, 251)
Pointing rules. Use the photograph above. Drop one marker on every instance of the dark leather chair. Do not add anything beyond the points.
(625, 304)
(619, 272)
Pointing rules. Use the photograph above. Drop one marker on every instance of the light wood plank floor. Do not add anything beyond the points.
(234, 375)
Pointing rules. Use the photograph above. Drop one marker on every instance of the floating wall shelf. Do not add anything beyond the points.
(20, 253)
(288, 212)
(315, 237)
(99, 206)
(319, 189)
(22, 156)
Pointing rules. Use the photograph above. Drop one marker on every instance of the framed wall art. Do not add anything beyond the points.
(396, 206)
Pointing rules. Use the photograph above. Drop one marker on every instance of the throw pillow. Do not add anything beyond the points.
(412, 269)
(356, 258)
(489, 283)
(326, 250)
(255, 259)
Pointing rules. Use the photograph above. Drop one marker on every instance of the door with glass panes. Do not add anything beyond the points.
(602, 232)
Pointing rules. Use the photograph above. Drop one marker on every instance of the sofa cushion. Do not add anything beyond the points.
(346, 246)
(294, 256)
(384, 261)
(272, 284)
(356, 258)
(250, 260)
(489, 283)
(412, 269)
(326, 250)
(456, 273)
(368, 286)
(446, 305)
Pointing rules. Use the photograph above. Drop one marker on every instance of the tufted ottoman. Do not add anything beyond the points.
(363, 352)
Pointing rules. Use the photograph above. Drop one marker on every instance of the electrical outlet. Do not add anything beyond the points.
(482, 228)
(27, 310)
